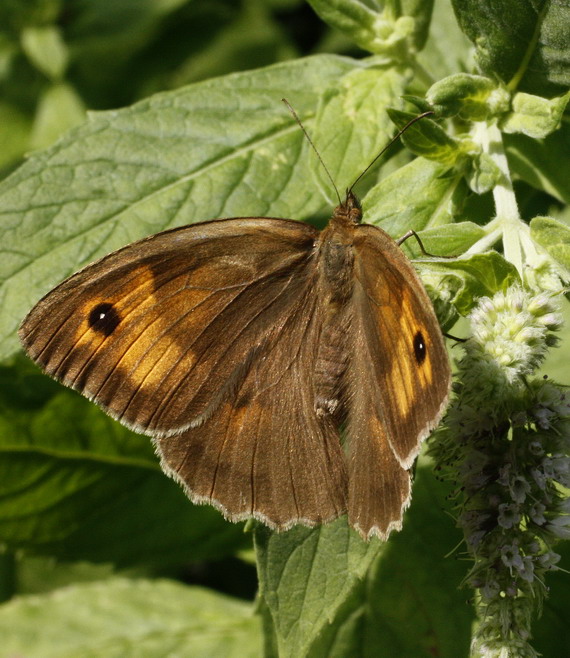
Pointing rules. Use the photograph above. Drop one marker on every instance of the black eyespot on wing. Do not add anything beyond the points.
(420, 349)
(104, 319)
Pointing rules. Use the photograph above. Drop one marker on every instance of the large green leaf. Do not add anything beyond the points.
(120, 618)
(544, 163)
(306, 576)
(447, 48)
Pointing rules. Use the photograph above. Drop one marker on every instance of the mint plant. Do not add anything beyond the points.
(95, 538)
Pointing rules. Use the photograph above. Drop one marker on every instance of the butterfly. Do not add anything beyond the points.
(285, 374)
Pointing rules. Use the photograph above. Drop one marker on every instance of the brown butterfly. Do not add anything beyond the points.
(244, 346)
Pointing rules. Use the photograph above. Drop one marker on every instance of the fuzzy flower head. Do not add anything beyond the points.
(511, 333)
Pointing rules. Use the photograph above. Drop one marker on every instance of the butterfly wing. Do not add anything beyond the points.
(156, 332)
(399, 381)
(205, 338)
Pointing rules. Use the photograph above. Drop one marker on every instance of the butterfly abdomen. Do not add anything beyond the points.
(330, 367)
(336, 281)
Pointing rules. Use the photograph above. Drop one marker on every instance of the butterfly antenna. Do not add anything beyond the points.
(389, 144)
(298, 120)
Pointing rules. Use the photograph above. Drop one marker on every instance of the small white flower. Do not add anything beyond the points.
(535, 448)
(552, 321)
(536, 513)
(511, 557)
(527, 570)
(561, 469)
(543, 417)
(548, 560)
(519, 488)
(509, 515)
(490, 590)
(504, 475)
(539, 477)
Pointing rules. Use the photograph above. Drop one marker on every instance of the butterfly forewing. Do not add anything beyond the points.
(156, 332)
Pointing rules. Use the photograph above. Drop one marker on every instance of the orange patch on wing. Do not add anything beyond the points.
(405, 371)
(158, 345)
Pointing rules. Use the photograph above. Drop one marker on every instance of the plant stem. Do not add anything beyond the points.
(518, 246)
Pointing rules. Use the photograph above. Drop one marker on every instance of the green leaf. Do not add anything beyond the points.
(310, 570)
(352, 124)
(176, 158)
(427, 138)
(120, 617)
(46, 49)
(423, 193)
(414, 604)
(554, 236)
(445, 239)
(522, 42)
(534, 116)
(328, 593)
(471, 97)
(543, 164)
(463, 280)
(400, 29)
(77, 485)
(483, 173)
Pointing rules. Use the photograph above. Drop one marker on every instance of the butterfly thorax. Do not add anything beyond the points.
(336, 251)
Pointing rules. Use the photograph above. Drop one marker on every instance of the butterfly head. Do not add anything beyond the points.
(349, 212)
